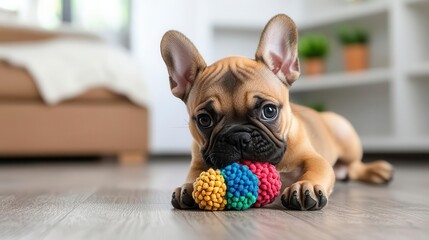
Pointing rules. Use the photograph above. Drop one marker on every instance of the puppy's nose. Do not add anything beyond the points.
(240, 139)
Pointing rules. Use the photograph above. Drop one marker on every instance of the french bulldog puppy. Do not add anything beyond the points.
(239, 109)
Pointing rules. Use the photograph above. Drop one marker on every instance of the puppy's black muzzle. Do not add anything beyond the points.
(242, 142)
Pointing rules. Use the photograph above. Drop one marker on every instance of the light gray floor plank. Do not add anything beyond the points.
(34, 199)
(102, 201)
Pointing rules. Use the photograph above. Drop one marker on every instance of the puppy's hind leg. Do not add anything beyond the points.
(350, 154)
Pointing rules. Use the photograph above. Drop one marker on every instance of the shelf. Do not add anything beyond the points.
(392, 145)
(341, 80)
(344, 13)
(419, 70)
(332, 16)
(417, 2)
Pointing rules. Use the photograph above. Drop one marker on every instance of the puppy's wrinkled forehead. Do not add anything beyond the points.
(235, 82)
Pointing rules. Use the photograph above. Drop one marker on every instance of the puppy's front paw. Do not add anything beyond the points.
(304, 196)
(182, 197)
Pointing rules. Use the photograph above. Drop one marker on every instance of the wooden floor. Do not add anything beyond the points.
(103, 201)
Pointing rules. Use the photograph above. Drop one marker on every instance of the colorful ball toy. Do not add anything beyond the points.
(237, 186)
(209, 190)
(241, 187)
(269, 182)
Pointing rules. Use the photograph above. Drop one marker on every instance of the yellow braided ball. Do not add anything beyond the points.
(209, 190)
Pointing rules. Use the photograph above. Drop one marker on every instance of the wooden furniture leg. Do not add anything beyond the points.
(132, 158)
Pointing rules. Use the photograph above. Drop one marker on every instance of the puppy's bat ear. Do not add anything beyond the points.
(278, 48)
(183, 62)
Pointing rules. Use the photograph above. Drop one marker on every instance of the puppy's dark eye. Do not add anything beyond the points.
(204, 120)
(269, 112)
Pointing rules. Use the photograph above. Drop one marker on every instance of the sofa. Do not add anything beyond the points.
(96, 123)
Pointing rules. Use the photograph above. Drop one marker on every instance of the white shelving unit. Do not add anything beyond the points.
(388, 103)
(419, 70)
(390, 144)
(416, 2)
(344, 13)
(341, 80)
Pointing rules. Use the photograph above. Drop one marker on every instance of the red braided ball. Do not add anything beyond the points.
(269, 181)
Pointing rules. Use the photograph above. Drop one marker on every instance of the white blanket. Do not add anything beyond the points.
(65, 68)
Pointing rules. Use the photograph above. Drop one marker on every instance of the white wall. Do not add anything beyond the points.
(151, 19)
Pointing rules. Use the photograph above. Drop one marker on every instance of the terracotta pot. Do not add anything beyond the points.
(355, 57)
(314, 66)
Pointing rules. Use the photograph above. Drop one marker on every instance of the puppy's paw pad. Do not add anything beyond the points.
(182, 197)
(309, 202)
(322, 200)
(186, 195)
(304, 196)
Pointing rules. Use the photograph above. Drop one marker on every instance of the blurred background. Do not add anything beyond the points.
(367, 60)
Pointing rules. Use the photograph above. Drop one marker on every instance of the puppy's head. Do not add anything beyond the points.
(238, 107)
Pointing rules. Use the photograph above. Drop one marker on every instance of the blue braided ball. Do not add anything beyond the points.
(241, 186)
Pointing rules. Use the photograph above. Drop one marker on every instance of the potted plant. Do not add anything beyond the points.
(313, 49)
(355, 48)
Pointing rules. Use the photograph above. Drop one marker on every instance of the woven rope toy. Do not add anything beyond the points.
(237, 186)
(269, 182)
(241, 187)
(209, 190)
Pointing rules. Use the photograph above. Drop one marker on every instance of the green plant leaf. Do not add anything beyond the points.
(352, 35)
(313, 46)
